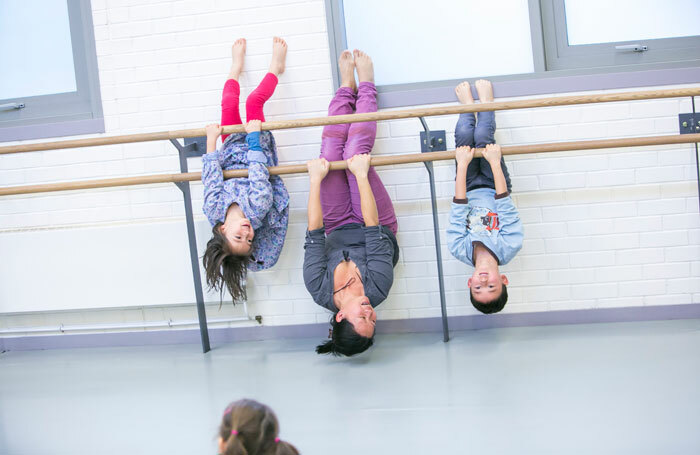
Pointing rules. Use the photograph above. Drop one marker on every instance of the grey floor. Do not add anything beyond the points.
(605, 388)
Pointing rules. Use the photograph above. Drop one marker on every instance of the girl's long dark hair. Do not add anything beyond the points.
(344, 340)
(223, 268)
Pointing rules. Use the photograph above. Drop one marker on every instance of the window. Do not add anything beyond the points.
(423, 49)
(630, 32)
(49, 81)
(422, 57)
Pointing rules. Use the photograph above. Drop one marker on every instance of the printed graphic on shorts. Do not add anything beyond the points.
(481, 219)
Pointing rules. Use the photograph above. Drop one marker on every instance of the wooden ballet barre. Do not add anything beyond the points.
(366, 117)
(384, 160)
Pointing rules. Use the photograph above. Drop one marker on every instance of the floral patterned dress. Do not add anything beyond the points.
(262, 197)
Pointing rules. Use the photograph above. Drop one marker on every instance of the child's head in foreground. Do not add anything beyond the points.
(487, 289)
(251, 428)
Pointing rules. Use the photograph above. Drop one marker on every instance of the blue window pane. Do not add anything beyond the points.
(36, 55)
(605, 21)
(420, 41)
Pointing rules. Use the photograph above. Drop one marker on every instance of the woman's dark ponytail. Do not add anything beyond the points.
(344, 340)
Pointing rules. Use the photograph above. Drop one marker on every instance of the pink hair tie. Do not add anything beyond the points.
(277, 440)
(234, 432)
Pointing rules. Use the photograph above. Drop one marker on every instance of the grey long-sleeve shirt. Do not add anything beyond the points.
(373, 249)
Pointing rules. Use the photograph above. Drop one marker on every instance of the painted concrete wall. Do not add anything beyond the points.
(613, 228)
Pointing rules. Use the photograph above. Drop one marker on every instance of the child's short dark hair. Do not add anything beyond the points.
(250, 427)
(493, 306)
(223, 268)
(344, 340)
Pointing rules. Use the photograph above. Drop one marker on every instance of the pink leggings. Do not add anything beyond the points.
(340, 196)
(253, 105)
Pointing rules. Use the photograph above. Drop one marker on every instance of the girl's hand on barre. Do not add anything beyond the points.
(492, 153)
(213, 130)
(359, 165)
(253, 126)
(464, 155)
(318, 169)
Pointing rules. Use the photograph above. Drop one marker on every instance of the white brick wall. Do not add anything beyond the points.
(604, 228)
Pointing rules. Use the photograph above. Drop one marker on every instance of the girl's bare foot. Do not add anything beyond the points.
(279, 56)
(464, 93)
(364, 66)
(484, 90)
(346, 66)
(237, 57)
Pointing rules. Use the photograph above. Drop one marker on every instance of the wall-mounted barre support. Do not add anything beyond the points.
(383, 160)
(366, 117)
(697, 165)
(436, 232)
(184, 152)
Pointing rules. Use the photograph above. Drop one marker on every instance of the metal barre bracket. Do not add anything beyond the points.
(438, 142)
(428, 145)
(191, 149)
(689, 123)
(195, 146)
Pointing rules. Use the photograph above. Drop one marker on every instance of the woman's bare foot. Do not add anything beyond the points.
(364, 66)
(279, 56)
(346, 66)
(484, 90)
(464, 93)
(237, 57)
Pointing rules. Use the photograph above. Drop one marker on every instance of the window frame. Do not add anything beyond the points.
(63, 114)
(561, 56)
(541, 82)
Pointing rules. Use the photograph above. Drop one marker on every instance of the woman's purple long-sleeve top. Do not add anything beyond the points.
(262, 197)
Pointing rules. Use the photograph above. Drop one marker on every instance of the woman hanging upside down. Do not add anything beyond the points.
(249, 215)
(350, 249)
